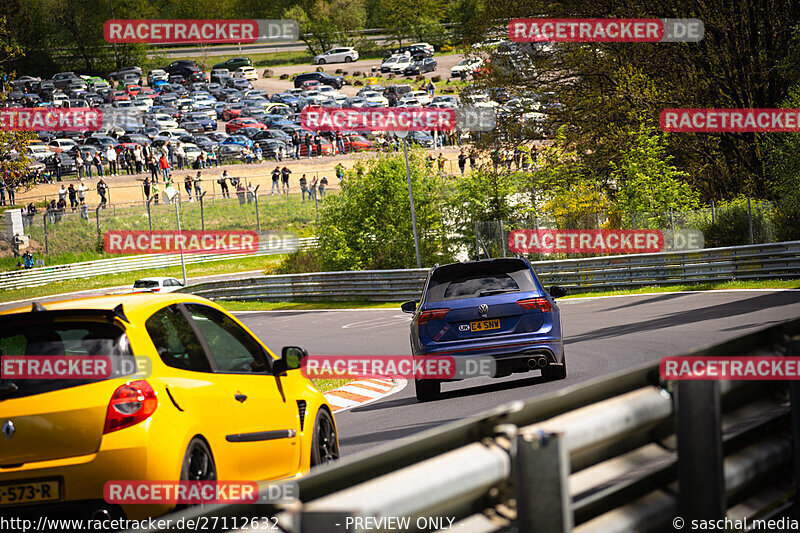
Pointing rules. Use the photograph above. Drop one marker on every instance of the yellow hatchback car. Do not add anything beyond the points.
(215, 404)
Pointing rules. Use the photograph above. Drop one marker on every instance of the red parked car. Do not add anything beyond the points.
(357, 143)
(117, 96)
(238, 123)
(232, 111)
(133, 90)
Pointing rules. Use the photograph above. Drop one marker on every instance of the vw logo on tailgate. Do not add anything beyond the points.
(483, 309)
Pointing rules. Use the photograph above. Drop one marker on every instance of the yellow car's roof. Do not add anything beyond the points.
(133, 304)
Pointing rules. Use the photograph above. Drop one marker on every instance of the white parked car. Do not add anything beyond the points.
(248, 73)
(465, 67)
(39, 151)
(156, 75)
(337, 55)
(157, 284)
(192, 152)
(374, 97)
(422, 97)
(63, 144)
(389, 62)
(401, 64)
(161, 121)
(480, 100)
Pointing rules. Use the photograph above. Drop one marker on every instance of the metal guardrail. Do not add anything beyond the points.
(625, 452)
(50, 274)
(762, 261)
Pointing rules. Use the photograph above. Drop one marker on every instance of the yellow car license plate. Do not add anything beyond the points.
(484, 325)
(30, 492)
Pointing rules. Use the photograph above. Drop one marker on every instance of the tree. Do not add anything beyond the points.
(749, 57)
(368, 224)
(414, 20)
(647, 180)
(325, 23)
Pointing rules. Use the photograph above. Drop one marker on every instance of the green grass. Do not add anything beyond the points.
(240, 264)
(722, 285)
(306, 305)
(324, 385)
(73, 240)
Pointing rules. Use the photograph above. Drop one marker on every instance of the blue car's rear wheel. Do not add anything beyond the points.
(554, 372)
(428, 389)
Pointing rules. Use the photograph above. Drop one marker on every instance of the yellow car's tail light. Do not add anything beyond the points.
(130, 404)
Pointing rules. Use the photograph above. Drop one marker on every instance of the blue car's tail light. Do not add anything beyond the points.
(434, 314)
(532, 304)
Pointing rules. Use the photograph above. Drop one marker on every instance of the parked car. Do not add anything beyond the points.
(337, 55)
(234, 63)
(465, 67)
(248, 73)
(156, 75)
(220, 75)
(420, 66)
(337, 82)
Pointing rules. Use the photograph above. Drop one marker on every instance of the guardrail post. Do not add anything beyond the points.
(255, 197)
(149, 218)
(701, 481)
(202, 214)
(794, 396)
(97, 219)
(540, 466)
(46, 242)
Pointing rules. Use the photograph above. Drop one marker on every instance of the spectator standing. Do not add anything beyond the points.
(57, 166)
(240, 192)
(180, 155)
(50, 211)
(472, 159)
(213, 158)
(318, 142)
(304, 188)
(440, 162)
(11, 189)
(79, 163)
(340, 172)
(82, 188)
(296, 142)
(198, 187)
(84, 211)
(276, 176)
(258, 153)
(111, 156)
(187, 184)
(73, 197)
(322, 184)
(431, 88)
(285, 179)
(170, 154)
(2, 191)
(155, 191)
(146, 187)
(62, 193)
(28, 260)
(224, 184)
(163, 164)
(102, 190)
(167, 185)
(251, 193)
(98, 163)
(61, 207)
(462, 161)
(309, 145)
(313, 187)
(138, 159)
(340, 142)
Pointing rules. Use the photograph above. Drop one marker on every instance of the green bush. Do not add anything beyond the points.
(731, 226)
(299, 262)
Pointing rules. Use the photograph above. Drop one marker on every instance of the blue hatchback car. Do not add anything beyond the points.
(489, 308)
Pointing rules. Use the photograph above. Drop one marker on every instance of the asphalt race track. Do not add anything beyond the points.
(603, 335)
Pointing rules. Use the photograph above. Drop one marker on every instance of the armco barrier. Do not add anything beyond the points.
(626, 452)
(762, 261)
(50, 274)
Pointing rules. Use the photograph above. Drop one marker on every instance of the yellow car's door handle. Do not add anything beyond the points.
(240, 397)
